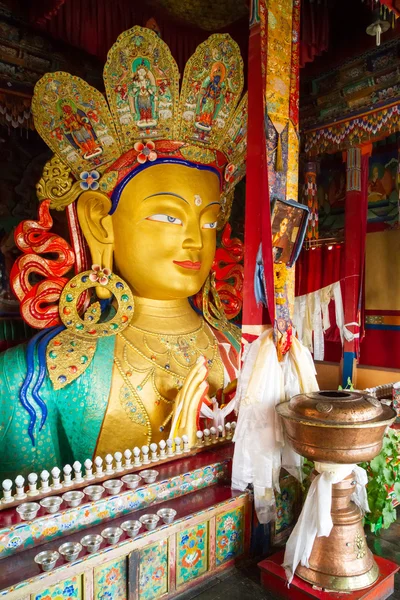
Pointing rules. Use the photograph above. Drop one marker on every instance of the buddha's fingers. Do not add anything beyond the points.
(195, 392)
(181, 399)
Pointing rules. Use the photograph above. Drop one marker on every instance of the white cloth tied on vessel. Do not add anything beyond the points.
(315, 519)
(260, 449)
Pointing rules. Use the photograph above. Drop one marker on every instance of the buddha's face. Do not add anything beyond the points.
(165, 230)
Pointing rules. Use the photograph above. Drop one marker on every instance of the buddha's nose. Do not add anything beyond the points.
(193, 239)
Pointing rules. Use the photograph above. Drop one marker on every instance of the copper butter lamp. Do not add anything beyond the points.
(338, 428)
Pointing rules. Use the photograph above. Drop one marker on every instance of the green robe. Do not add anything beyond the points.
(75, 414)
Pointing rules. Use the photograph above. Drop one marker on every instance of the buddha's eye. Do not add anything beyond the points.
(210, 225)
(165, 219)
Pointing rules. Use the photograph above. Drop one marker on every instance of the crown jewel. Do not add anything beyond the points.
(145, 117)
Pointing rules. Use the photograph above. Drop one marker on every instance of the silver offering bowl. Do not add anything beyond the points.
(131, 528)
(47, 560)
(92, 543)
(73, 499)
(149, 521)
(112, 534)
(131, 481)
(51, 504)
(28, 510)
(94, 492)
(149, 475)
(113, 486)
(70, 551)
(167, 514)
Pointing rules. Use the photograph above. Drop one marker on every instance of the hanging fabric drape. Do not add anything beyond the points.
(314, 32)
(312, 318)
(92, 26)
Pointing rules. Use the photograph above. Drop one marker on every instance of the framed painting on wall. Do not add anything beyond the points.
(288, 224)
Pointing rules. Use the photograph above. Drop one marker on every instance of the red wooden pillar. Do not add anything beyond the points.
(356, 207)
(257, 208)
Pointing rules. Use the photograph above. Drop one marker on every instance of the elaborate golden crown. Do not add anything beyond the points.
(146, 120)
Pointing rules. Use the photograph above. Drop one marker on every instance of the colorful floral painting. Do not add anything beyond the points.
(153, 574)
(70, 589)
(110, 581)
(229, 535)
(191, 551)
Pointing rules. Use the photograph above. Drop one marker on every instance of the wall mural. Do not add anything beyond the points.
(383, 192)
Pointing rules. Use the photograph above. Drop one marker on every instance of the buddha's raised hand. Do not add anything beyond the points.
(189, 401)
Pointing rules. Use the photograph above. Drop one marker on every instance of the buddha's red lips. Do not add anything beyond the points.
(188, 264)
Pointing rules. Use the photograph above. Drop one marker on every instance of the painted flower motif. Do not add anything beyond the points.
(279, 512)
(158, 573)
(234, 536)
(191, 558)
(69, 590)
(184, 539)
(229, 172)
(106, 596)
(89, 180)
(99, 275)
(112, 576)
(229, 523)
(223, 541)
(145, 151)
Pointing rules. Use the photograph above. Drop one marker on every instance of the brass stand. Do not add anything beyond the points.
(342, 561)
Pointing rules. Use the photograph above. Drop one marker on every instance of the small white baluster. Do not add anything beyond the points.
(162, 444)
(228, 431)
(44, 478)
(20, 482)
(118, 462)
(88, 470)
(109, 464)
(153, 450)
(221, 433)
(185, 440)
(170, 447)
(214, 435)
(7, 491)
(32, 481)
(178, 445)
(145, 454)
(199, 436)
(77, 472)
(233, 427)
(128, 458)
(98, 461)
(55, 474)
(136, 455)
(67, 481)
(207, 439)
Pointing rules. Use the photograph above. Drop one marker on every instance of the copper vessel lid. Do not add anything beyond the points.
(336, 408)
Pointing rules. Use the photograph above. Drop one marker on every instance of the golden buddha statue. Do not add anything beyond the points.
(135, 362)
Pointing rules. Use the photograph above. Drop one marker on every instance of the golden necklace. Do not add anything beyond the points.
(168, 354)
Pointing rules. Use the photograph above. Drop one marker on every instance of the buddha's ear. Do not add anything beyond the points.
(97, 227)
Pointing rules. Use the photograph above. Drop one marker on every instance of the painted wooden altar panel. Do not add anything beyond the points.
(69, 589)
(153, 571)
(229, 535)
(110, 580)
(191, 553)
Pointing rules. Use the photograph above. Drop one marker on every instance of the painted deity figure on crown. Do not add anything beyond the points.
(122, 358)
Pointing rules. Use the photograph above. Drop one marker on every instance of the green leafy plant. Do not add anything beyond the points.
(383, 483)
